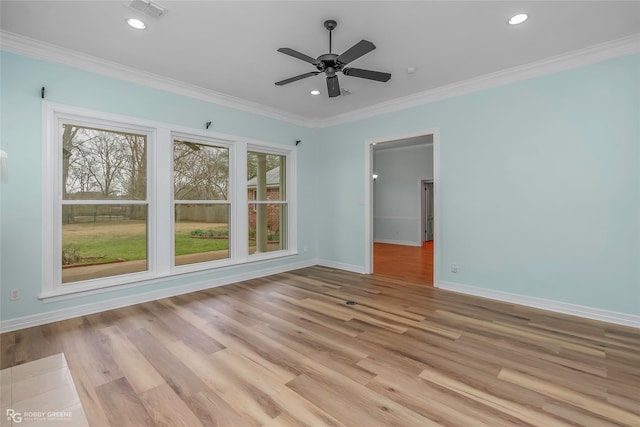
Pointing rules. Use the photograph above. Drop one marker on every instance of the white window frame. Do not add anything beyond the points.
(213, 142)
(161, 212)
(290, 191)
(52, 198)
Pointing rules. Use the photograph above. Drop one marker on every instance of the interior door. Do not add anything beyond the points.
(428, 209)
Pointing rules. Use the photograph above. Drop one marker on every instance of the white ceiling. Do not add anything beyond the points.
(230, 46)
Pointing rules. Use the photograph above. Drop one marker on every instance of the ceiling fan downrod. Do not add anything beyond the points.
(330, 25)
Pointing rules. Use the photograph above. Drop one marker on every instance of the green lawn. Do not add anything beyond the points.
(127, 240)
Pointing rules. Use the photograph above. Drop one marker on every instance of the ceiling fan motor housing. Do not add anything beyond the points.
(328, 62)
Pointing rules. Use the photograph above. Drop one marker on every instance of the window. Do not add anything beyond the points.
(130, 202)
(104, 225)
(201, 198)
(266, 185)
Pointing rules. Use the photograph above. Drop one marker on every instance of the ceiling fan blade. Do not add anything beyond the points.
(356, 51)
(366, 74)
(296, 78)
(333, 87)
(298, 55)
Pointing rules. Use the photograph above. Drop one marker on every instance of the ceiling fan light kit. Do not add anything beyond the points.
(332, 63)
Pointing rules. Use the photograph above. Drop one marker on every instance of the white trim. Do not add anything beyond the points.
(398, 218)
(398, 242)
(15, 43)
(22, 45)
(545, 304)
(49, 241)
(368, 207)
(97, 307)
(555, 64)
(240, 216)
(230, 201)
(341, 266)
(409, 147)
(436, 207)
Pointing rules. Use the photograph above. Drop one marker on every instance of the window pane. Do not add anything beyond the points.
(200, 171)
(266, 176)
(201, 233)
(267, 227)
(100, 164)
(103, 240)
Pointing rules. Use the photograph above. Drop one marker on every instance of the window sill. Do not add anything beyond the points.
(65, 292)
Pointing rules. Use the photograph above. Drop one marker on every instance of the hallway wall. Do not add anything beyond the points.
(396, 192)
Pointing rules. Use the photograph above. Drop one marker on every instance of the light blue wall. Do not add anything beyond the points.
(20, 136)
(396, 192)
(539, 180)
(539, 185)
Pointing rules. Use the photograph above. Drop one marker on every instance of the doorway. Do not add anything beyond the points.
(402, 207)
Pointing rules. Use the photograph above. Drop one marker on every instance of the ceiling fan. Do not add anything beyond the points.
(331, 63)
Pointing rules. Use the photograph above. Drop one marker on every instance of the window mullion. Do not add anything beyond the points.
(240, 209)
(161, 178)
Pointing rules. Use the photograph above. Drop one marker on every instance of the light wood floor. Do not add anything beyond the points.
(287, 351)
(412, 263)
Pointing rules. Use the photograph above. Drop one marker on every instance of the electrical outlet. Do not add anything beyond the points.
(15, 294)
(454, 268)
(306, 248)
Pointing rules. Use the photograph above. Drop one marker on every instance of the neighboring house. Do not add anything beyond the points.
(273, 193)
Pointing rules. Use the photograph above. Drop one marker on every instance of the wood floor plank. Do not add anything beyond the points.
(443, 408)
(136, 368)
(508, 407)
(366, 407)
(298, 408)
(123, 406)
(286, 350)
(570, 396)
(175, 373)
(167, 409)
(212, 410)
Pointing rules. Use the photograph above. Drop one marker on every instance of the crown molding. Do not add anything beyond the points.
(577, 58)
(26, 46)
(37, 49)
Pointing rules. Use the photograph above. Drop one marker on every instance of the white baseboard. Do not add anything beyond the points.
(398, 242)
(83, 310)
(342, 266)
(86, 309)
(545, 304)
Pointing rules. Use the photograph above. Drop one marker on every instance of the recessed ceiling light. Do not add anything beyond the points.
(136, 23)
(518, 19)
(315, 92)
